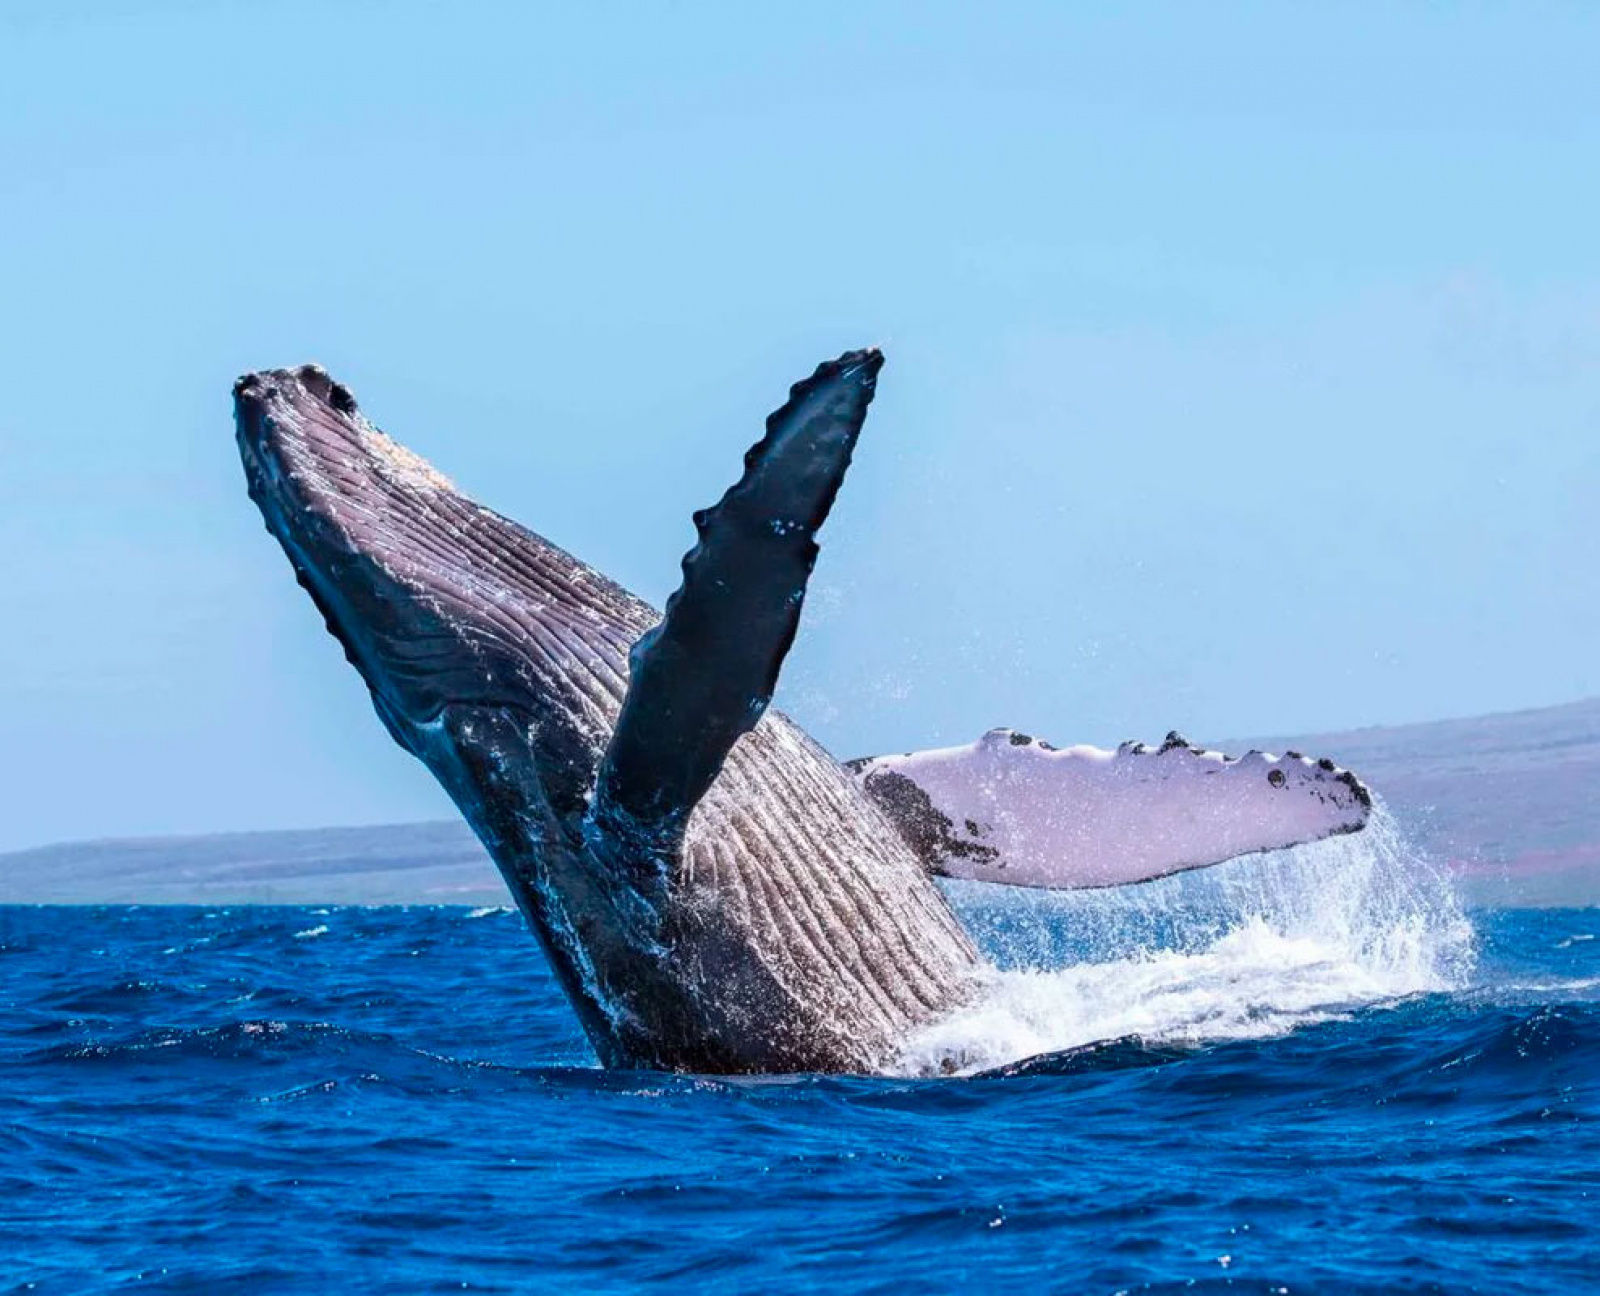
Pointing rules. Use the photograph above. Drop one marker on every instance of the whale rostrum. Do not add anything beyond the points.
(713, 890)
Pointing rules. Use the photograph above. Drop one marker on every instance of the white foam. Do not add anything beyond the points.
(1252, 948)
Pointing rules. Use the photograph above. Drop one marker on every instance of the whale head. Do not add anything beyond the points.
(446, 608)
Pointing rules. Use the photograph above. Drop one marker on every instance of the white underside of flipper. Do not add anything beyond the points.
(1009, 808)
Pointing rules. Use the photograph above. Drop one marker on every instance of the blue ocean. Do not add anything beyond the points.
(1312, 1072)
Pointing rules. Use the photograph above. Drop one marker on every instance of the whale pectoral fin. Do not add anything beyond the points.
(1011, 809)
(706, 673)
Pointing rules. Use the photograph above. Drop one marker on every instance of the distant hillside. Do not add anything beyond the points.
(1511, 802)
(427, 863)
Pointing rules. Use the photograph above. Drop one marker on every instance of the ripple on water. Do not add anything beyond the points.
(1332, 1086)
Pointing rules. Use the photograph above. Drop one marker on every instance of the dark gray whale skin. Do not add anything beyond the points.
(712, 889)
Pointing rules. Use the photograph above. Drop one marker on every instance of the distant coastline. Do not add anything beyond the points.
(1510, 802)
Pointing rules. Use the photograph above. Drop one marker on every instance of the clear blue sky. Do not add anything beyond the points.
(1244, 361)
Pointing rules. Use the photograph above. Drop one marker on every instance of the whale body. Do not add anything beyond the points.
(713, 890)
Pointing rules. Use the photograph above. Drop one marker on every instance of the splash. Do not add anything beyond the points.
(1252, 948)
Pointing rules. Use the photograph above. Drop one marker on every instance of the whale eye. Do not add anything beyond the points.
(1276, 778)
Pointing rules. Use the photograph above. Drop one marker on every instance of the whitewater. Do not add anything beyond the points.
(1245, 950)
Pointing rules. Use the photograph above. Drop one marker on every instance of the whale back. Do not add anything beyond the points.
(796, 932)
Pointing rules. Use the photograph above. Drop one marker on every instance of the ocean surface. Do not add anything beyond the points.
(1309, 1072)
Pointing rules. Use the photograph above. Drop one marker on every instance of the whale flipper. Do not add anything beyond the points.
(705, 674)
(1009, 808)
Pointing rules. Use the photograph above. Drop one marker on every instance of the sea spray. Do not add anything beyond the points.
(1251, 948)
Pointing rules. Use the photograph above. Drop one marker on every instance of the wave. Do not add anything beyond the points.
(1249, 950)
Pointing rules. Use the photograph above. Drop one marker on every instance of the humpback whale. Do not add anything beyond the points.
(712, 889)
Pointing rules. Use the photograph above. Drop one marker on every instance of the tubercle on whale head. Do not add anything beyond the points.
(264, 400)
(316, 380)
(273, 411)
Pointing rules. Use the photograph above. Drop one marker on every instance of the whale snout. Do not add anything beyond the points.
(439, 603)
(321, 473)
(265, 402)
(312, 378)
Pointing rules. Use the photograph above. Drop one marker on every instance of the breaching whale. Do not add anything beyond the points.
(713, 890)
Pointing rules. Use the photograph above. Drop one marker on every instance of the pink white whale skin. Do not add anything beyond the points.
(1012, 809)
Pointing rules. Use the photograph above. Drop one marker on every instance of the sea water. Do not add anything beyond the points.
(1307, 1072)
